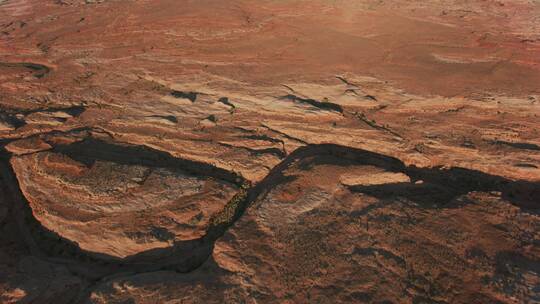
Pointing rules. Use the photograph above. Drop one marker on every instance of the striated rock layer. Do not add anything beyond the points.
(118, 204)
(165, 151)
(440, 237)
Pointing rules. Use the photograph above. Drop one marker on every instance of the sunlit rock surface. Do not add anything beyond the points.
(163, 151)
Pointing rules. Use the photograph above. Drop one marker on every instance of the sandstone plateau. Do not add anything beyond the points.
(291, 151)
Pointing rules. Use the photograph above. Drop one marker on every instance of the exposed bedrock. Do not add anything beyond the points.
(24, 277)
(332, 224)
(327, 214)
(121, 207)
(262, 151)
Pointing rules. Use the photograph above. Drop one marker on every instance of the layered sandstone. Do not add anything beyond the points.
(269, 151)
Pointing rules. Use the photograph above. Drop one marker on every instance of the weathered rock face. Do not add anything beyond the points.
(269, 151)
(24, 277)
(312, 238)
(116, 200)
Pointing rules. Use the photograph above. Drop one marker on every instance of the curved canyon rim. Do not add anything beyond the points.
(269, 151)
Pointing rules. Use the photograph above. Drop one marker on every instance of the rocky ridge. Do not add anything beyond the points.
(163, 151)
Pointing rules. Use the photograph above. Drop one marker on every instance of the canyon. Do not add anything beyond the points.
(366, 151)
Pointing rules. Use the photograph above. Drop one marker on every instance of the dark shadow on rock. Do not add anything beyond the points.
(518, 145)
(429, 187)
(15, 118)
(438, 189)
(39, 70)
(192, 96)
(321, 105)
(90, 150)
(182, 256)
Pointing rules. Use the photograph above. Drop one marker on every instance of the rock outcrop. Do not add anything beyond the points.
(269, 151)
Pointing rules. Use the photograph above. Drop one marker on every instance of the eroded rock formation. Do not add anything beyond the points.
(168, 151)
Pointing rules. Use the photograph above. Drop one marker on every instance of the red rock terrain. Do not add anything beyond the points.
(165, 151)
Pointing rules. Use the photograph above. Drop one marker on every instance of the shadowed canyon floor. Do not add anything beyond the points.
(165, 151)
